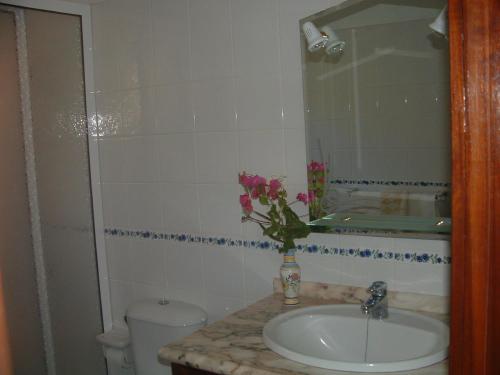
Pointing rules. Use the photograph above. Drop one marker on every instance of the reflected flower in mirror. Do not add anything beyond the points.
(316, 180)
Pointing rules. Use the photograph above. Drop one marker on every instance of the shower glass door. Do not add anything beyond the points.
(59, 193)
(17, 266)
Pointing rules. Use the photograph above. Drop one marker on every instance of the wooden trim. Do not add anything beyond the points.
(184, 370)
(5, 354)
(475, 87)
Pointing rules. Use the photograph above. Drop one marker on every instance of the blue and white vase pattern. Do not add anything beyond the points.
(290, 278)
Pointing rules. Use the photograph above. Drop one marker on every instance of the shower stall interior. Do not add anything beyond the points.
(48, 260)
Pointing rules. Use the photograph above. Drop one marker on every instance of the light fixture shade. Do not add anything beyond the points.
(315, 39)
(334, 46)
(440, 24)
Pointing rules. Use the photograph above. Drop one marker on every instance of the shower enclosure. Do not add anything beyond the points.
(48, 258)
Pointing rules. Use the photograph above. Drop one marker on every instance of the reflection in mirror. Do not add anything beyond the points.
(376, 97)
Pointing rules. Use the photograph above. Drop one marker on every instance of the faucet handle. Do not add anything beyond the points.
(378, 289)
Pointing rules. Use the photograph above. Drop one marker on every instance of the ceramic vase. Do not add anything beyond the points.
(290, 278)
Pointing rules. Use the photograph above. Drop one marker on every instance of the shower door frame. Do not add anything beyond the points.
(83, 11)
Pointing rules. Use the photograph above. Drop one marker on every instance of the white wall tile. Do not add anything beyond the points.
(260, 269)
(322, 268)
(179, 205)
(148, 291)
(362, 272)
(261, 152)
(213, 104)
(105, 34)
(211, 47)
(223, 269)
(256, 49)
(115, 210)
(174, 112)
(118, 255)
(341, 164)
(139, 159)
(183, 266)
(144, 206)
(218, 306)
(430, 164)
(109, 113)
(134, 19)
(423, 278)
(217, 157)
(220, 211)
(111, 160)
(176, 157)
(375, 164)
(148, 258)
(292, 100)
(428, 279)
(135, 63)
(106, 71)
(295, 157)
(342, 132)
(137, 112)
(258, 103)
(171, 41)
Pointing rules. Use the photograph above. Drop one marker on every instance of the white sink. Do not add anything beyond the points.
(340, 337)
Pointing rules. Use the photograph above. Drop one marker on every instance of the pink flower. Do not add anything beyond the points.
(315, 166)
(245, 180)
(246, 204)
(257, 181)
(256, 192)
(302, 197)
(275, 184)
(253, 183)
(274, 187)
(311, 195)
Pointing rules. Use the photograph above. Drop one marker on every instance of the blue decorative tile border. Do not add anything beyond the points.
(390, 183)
(376, 254)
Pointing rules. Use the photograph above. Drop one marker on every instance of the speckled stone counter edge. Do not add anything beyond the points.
(354, 294)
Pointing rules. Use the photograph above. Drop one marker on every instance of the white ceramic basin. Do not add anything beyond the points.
(340, 337)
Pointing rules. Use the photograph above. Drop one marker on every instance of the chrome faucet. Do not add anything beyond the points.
(376, 304)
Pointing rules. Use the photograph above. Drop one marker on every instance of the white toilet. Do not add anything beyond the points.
(155, 323)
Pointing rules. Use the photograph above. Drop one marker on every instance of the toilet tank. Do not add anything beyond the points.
(156, 323)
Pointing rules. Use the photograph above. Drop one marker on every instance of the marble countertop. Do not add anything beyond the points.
(234, 346)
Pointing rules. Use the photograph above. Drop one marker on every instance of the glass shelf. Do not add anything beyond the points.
(354, 222)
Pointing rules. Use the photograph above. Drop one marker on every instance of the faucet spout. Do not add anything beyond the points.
(376, 305)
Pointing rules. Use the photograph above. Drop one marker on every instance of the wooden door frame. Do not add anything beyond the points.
(6, 367)
(475, 87)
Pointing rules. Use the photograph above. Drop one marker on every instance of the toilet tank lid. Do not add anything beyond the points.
(167, 312)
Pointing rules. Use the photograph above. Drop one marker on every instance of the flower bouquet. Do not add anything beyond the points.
(279, 222)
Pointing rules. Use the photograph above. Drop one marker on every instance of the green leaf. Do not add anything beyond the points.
(274, 214)
(263, 200)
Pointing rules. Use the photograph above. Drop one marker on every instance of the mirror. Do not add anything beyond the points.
(377, 111)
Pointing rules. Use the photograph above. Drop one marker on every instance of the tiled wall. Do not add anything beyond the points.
(189, 93)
